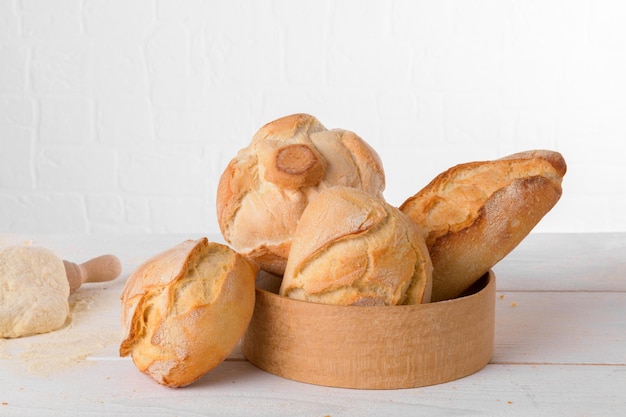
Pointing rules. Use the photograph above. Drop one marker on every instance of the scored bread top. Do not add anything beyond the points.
(157, 272)
(289, 127)
(185, 309)
(266, 187)
(453, 199)
(352, 248)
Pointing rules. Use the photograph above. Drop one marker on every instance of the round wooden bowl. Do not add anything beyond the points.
(373, 347)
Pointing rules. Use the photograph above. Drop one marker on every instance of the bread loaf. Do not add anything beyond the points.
(475, 213)
(267, 185)
(352, 248)
(185, 309)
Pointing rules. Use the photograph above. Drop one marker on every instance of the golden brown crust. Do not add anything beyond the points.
(288, 127)
(231, 189)
(185, 309)
(295, 166)
(475, 213)
(553, 158)
(352, 248)
(266, 187)
(356, 163)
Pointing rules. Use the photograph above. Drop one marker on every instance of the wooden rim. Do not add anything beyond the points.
(373, 347)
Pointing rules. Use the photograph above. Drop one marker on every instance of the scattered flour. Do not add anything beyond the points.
(92, 328)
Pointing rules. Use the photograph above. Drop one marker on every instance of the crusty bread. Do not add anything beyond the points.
(267, 185)
(352, 248)
(185, 310)
(475, 213)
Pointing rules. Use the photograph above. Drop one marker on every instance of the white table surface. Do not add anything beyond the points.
(560, 348)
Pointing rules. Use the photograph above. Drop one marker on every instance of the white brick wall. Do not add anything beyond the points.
(119, 116)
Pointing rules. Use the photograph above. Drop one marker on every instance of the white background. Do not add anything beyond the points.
(119, 116)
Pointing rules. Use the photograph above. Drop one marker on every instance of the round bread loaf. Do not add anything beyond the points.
(475, 213)
(185, 310)
(352, 248)
(266, 187)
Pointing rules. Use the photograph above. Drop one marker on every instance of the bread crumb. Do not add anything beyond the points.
(502, 296)
(513, 304)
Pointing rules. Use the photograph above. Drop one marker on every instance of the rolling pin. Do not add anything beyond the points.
(34, 290)
(100, 269)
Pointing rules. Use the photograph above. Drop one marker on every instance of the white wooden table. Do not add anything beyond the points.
(560, 348)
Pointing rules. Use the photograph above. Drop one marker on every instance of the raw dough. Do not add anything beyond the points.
(33, 291)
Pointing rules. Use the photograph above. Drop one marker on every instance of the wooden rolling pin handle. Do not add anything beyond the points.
(100, 269)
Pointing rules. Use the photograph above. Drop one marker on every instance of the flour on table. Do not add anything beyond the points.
(92, 328)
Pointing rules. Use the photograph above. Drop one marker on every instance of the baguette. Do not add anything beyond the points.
(475, 213)
(185, 310)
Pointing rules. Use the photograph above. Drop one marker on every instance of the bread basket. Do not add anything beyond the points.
(372, 347)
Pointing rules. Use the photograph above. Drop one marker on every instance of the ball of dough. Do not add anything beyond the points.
(33, 291)
(185, 310)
